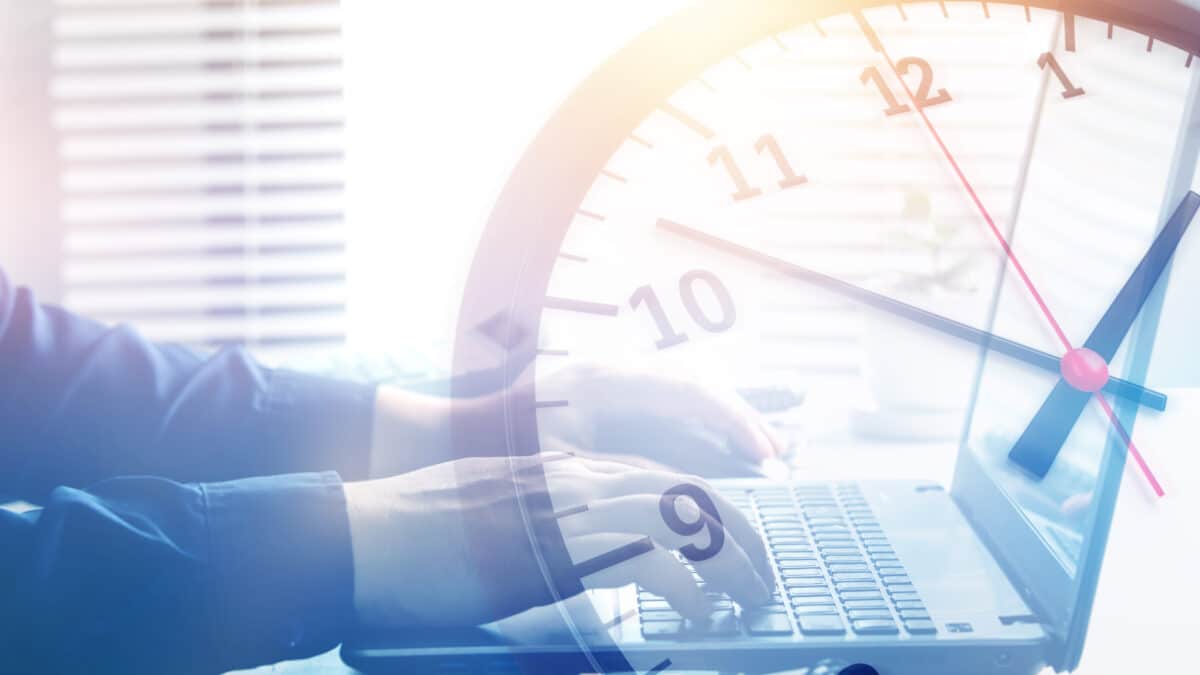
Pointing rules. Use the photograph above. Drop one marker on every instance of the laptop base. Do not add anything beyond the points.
(976, 659)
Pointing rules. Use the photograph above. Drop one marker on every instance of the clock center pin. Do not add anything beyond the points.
(1084, 369)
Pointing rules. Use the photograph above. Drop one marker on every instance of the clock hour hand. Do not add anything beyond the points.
(1035, 357)
(1038, 446)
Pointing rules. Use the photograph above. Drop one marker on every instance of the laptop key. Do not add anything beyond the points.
(895, 589)
(805, 564)
(838, 548)
(908, 614)
(800, 577)
(857, 614)
(852, 576)
(808, 610)
(814, 599)
(901, 597)
(920, 627)
(810, 581)
(862, 595)
(792, 548)
(864, 604)
(810, 592)
(795, 552)
(830, 531)
(910, 604)
(855, 586)
(874, 627)
(779, 543)
(821, 624)
(764, 623)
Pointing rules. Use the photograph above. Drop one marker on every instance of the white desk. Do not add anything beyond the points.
(1145, 618)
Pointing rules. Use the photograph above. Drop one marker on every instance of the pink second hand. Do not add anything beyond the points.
(987, 216)
(1130, 447)
(1016, 264)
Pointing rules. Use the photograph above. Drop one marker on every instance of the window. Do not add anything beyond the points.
(202, 163)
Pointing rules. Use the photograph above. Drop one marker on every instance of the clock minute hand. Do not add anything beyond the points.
(1035, 357)
(1040, 443)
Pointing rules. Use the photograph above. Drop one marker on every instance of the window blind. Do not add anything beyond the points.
(203, 185)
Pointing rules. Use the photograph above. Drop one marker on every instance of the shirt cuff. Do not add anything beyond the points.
(282, 572)
(321, 423)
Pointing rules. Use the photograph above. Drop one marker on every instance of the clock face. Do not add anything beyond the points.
(866, 206)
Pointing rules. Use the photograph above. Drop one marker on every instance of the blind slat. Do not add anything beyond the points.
(203, 176)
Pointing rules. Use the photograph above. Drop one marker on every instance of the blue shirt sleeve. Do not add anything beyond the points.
(81, 402)
(192, 514)
(146, 575)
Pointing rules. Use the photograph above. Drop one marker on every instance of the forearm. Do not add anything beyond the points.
(83, 402)
(146, 575)
(412, 430)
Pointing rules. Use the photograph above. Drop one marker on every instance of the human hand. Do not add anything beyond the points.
(653, 414)
(450, 545)
(641, 417)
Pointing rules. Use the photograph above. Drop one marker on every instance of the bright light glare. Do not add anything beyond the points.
(441, 100)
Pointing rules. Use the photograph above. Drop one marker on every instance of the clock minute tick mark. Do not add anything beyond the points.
(583, 306)
(614, 557)
(687, 121)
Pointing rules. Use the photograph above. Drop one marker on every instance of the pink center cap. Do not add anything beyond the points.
(1084, 369)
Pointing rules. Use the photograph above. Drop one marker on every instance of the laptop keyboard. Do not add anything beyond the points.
(836, 573)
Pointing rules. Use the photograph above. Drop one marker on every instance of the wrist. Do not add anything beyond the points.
(410, 430)
(359, 514)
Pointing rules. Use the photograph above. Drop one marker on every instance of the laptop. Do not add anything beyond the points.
(995, 574)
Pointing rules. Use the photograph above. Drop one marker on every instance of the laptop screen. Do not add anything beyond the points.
(1050, 531)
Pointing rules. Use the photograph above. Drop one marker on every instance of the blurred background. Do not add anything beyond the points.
(302, 177)
(295, 176)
